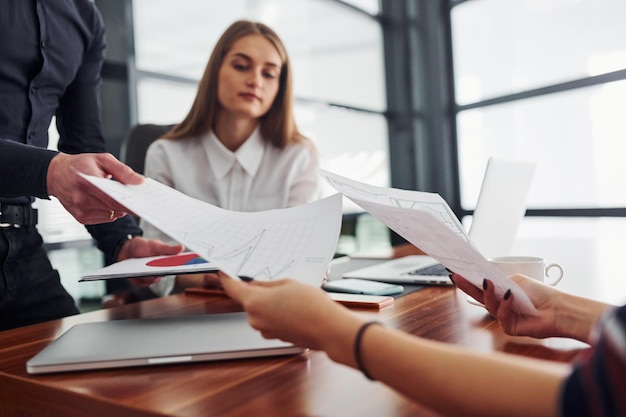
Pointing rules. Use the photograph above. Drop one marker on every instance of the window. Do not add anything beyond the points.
(576, 138)
(546, 81)
(543, 81)
(508, 47)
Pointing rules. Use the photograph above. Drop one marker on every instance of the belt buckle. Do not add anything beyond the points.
(4, 225)
(24, 216)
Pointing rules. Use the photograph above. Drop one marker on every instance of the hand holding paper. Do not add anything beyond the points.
(185, 263)
(426, 220)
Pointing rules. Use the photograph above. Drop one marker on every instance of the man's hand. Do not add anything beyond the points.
(83, 200)
(139, 247)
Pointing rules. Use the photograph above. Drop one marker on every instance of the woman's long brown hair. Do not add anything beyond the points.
(278, 125)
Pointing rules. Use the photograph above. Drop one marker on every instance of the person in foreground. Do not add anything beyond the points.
(51, 55)
(497, 384)
(239, 147)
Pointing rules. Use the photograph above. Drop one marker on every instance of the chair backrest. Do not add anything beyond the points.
(136, 143)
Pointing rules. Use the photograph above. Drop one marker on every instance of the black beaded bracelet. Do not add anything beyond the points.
(357, 348)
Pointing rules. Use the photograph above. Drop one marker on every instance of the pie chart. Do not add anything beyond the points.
(177, 260)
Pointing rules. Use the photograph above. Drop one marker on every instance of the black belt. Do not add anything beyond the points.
(13, 215)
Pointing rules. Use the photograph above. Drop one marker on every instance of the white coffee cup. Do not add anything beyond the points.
(531, 266)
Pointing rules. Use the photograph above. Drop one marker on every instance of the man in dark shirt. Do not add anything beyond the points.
(51, 53)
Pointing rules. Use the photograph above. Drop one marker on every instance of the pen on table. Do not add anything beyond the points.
(246, 278)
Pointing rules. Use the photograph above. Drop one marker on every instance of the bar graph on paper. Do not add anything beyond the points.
(295, 242)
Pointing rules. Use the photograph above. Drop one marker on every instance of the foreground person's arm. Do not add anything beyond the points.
(446, 378)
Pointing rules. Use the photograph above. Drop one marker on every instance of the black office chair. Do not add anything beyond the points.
(133, 154)
(136, 143)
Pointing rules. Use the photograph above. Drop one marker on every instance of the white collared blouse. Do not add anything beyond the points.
(258, 176)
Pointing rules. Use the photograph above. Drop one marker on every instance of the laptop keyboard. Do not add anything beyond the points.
(436, 270)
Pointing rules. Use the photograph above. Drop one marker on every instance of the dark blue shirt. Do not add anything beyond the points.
(51, 54)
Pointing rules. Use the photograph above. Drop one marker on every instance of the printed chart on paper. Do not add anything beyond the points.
(296, 242)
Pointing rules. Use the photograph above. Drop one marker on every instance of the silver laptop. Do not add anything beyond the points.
(499, 210)
(138, 342)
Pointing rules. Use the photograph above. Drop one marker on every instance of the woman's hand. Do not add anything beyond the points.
(541, 295)
(292, 311)
(558, 314)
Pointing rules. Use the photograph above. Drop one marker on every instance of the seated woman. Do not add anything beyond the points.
(239, 147)
(494, 384)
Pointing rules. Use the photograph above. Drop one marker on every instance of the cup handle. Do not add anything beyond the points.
(554, 280)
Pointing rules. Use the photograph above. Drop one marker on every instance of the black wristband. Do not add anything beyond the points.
(357, 348)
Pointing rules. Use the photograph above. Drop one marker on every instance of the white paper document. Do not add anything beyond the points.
(297, 242)
(428, 222)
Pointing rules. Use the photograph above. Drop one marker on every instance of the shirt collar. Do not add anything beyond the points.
(249, 155)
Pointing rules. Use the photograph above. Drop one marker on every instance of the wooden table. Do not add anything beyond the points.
(304, 385)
